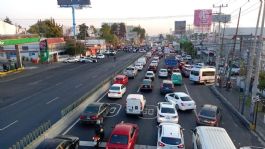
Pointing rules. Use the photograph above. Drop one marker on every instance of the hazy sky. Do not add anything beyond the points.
(156, 16)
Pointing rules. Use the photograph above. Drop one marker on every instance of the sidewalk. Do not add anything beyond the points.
(233, 99)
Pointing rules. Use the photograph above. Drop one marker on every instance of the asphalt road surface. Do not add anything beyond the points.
(148, 126)
(27, 102)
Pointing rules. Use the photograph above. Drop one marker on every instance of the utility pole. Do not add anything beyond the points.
(251, 60)
(257, 69)
(218, 52)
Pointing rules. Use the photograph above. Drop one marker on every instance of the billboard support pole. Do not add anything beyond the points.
(74, 28)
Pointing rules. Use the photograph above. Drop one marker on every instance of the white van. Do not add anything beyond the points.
(142, 60)
(135, 104)
(207, 137)
(202, 75)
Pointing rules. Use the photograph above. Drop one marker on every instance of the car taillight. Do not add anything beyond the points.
(161, 144)
(213, 122)
(119, 92)
(82, 117)
(94, 117)
(181, 146)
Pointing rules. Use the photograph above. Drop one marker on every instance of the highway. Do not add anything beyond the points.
(148, 125)
(28, 101)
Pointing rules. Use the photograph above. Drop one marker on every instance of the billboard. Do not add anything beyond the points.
(203, 17)
(224, 18)
(180, 27)
(66, 3)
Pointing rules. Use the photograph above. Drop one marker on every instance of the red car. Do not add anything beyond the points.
(123, 136)
(121, 79)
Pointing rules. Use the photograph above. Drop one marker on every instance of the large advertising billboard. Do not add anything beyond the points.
(180, 27)
(73, 2)
(203, 17)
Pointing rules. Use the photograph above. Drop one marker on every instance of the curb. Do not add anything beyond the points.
(2, 74)
(242, 118)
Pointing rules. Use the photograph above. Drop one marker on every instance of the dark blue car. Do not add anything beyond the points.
(167, 86)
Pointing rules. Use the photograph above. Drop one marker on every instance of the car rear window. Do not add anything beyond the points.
(119, 139)
(129, 69)
(171, 141)
(207, 113)
(119, 79)
(149, 73)
(163, 70)
(167, 110)
(167, 85)
(91, 109)
(115, 88)
(185, 98)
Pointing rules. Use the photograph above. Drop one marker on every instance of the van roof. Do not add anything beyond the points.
(134, 96)
(214, 137)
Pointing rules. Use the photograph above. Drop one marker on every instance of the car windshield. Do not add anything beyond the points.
(119, 139)
(92, 109)
(167, 110)
(185, 98)
(175, 76)
(207, 113)
(115, 88)
(171, 141)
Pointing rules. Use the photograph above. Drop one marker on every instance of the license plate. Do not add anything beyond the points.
(167, 117)
(189, 104)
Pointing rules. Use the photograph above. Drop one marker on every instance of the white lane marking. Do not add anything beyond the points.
(57, 84)
(148, 110)
(112, 110)
(35, 82)
(68, 129)
(117, 112)
(102, 97)
(8, 125)
(138, 90)
(103, 144)
(52, 100)
(79, 85)
(186, 89)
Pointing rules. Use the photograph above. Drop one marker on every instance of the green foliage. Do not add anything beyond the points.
(106, 33)
(261, 85)
(47, 28)
(170, 38)
(74, 48)
(7, 20)
(83, 28)
(140, 32)
(187, 46)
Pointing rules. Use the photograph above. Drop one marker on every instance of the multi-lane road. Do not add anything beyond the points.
(148, 126)
(28, 101)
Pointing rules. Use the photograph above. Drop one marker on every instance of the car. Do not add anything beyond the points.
(146, 85)
(100, 56)
(130, 71)
(188, 57)
(87, 60)
(138, 66)
(123, 136)
(185, 71)
(175, 70)
(176, 78)
(93, 56)
(154, 63)
(116, 91)
(163, 73)
(121, 79)
(95, 113)
(150, 75)
(142, 51)
(112, 52)
(182, 101)
(209, 115)
(135, 104)
(170, 136)
(199, 65)
(152, 68)
(60, 142)
(156, 58)
(71, 60)
(167, 86)
(166, 112)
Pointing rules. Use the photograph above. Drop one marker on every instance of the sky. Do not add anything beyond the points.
(156, 16)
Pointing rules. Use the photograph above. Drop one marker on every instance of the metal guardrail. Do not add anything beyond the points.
(30, 137)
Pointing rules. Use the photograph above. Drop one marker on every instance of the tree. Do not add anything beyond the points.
(187, 46)
(94, 31)
(74, 48)
(47, 28)
(122, 31)
(7, 20)
(83, 28)
(140, 32)
(261, 85)
(170, 38)
(114, 29)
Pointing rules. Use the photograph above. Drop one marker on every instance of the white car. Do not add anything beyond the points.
(154, 63)
(188, 57)
(71, 60)
(166, 112)
(150, 75)
(116, 91)
(156, 58)
(163, 73)
(170, 136)
(100, 56)
(182, 100)
(93, 56)
(138, 66)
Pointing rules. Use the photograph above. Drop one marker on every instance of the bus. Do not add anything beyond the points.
(204, 74)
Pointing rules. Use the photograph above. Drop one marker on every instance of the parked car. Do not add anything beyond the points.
(150, 75)
(95, 113)
(135, 104)
(209, 115)
(100, 56)
(71, 60)
(163, 73)
(123, 136)
(166, 112)
(176, 78)
(112, 52)
(60, 142)
(116, 91)
(131, 72)
(167, 86)
(121, 79)
(182, 101)
(87, 60)
(93, 56)
(146, 85)
(170, 136)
